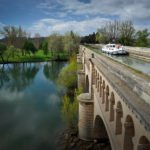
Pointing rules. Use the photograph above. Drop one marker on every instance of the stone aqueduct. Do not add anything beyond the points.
(115, 103)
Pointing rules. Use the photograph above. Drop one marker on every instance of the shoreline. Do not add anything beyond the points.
(69, 140)
(32, 61)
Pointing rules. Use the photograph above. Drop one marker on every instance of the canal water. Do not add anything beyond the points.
(30, 101)
(132, 62)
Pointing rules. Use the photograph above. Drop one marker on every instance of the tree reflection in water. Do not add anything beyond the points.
(51, 70)
(18, 76)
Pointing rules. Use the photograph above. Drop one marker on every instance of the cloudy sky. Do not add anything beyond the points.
(82, 16)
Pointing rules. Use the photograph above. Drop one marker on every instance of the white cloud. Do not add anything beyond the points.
(7, 95)
(133, 9)
(136, 10)
(47, 26)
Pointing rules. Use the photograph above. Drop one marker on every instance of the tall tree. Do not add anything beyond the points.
(127, 32)
(109, 32)
(9, 32)
(142, 38)
(29, 47)
(55, 43)
(13, 34)
(71, 42)
(37, 40)
(45, 47)
(3, 48)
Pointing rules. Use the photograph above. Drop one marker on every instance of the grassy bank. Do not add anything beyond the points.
(38, 56)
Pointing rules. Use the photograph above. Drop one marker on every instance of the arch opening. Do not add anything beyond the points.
(107, 99)
(100, 133)
(144, 144)
(119, 115)
(112, 103)
(100, 87)
(129, 134)
(103, 92)
(86, 84)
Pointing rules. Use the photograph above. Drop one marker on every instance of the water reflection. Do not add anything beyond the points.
(19, 75)
(50, 70)
(29, 106)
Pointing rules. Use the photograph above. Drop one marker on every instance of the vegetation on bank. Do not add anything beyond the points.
(70, 109)
(19, 47)
(68, 79)
(68, 75)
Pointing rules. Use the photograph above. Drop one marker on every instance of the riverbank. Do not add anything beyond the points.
(39, 56)
(68, 140)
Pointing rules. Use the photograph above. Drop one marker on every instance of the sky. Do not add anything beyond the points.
(81, 16)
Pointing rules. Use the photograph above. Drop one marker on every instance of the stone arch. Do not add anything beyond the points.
(87, 84)
(99, 131)
(144, 144)
(112, 103)
(107, 99)
(98, 77)
(95, 77)
(103, 92)
(129, 134)
(100, 87)
(119, 115)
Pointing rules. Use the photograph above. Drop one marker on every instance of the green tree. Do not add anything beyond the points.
(109, 32)
(127, 33)
(3, 48)
(12, 33)
(29, 47)
(12, 52)
(44, 47)
(71, 42)
(97, 38)
(55, 43)
(142, 38)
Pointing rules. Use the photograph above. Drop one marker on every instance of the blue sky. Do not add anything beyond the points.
(82, 16)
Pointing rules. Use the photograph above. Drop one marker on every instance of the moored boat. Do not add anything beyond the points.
(114, 49)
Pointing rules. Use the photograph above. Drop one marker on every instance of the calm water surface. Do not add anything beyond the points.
(135, 63)
(30, 114)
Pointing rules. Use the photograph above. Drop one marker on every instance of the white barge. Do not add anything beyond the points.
(114, 49)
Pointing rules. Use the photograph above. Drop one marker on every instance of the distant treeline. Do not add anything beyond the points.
(19, 42)
(122, 32)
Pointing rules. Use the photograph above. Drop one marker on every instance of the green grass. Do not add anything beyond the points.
(38, 56)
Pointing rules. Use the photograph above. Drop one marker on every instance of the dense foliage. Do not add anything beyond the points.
(70, 109)
(142, 38)
(29, 46)
(68, 75)
(3, 48)
(68, 78)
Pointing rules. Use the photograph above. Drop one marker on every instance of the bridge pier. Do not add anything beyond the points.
(86, 113)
